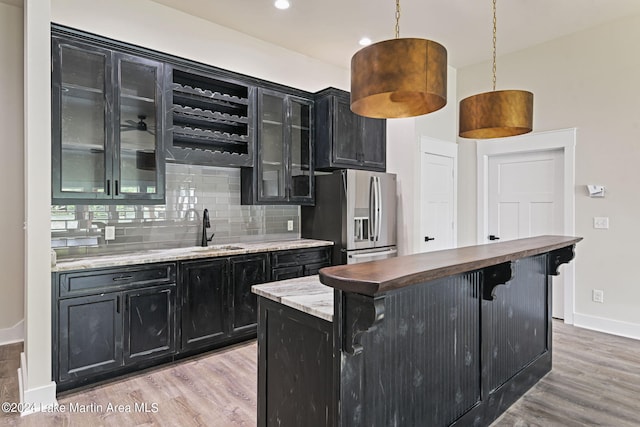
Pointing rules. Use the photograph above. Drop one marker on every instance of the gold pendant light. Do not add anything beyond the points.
(499, 113)
(399, 78)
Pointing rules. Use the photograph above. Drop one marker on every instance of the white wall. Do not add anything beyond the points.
(12, 173)
(155, 26)
(403, 159)
(442, 124)
(587, 80)
(36, 387)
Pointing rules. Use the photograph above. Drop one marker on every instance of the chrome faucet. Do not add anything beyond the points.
(206, 224)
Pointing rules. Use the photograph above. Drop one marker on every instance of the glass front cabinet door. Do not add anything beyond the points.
(284, 172)
(107, 125)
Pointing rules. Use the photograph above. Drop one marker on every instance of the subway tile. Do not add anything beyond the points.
(189, 190)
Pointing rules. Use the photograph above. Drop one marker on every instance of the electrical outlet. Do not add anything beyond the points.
(598, 296)
(290, 225)
(601, 222)
(110, 232)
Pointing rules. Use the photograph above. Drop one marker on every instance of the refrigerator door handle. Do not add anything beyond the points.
(379, 208)
(373, 254)
(372, 207)
(344, 185)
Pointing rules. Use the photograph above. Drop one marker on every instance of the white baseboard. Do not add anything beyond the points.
(13, 334)
(609, 326)
(36, 399)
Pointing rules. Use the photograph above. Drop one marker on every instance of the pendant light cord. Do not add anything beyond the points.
(494, 44)
(398, 19)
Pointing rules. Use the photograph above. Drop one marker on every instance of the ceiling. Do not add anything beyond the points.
(329, 30)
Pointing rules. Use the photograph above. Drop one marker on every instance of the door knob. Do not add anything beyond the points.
(427, 238)
(492, 237)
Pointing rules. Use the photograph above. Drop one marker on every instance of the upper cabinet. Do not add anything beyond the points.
(345, 140)
(119, 112)
(284, 169)
(107, 124)
(211, 119)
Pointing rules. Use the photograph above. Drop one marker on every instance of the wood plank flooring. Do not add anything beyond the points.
(595, 382)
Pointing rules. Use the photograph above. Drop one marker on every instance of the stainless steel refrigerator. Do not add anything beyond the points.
(357, 211)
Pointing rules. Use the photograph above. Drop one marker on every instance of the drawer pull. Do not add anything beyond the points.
(119, 278)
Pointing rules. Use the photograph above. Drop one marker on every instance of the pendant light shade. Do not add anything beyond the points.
(399, 77)
(499, 113)
(402, 77)
(496, 114)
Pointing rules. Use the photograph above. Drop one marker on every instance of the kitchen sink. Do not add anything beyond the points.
(206, 249)
(216, 248)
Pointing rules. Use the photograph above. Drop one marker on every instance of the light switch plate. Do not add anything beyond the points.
(601, 222)
(110, 232)
(290, 225)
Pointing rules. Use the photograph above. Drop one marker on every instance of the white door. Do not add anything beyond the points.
(525, 199)
(438, 200)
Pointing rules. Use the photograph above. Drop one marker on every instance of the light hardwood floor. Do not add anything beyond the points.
(595, 382)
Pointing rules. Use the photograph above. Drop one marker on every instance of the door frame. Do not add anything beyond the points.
(564, 140)
(438, 147)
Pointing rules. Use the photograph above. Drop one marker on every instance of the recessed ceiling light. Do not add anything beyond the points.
(365, 41)
(282, 4)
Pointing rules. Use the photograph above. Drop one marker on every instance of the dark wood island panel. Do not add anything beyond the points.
(445, 338)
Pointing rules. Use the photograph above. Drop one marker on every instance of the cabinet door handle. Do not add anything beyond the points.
(118, 304)
(119, 278)
(492, 237)
(427, 238)
(108, 187)
(116, 185)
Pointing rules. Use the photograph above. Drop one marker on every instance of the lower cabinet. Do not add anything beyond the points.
(90, 336)
(217, 303)
(204, 291)
(149, 327)
(284, 273)
(112, 323)
(101, 333)
(294, 263)
(246, 271)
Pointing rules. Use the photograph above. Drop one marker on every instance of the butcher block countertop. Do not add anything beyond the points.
(377, 277)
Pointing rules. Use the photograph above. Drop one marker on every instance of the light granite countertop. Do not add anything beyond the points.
(306, 294)
(177, 254)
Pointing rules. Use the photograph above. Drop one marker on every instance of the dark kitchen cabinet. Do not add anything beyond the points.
(217, 303)
(345, 140)
(246, 271)
(107, 125)
(294, 263)
(284, 170)
(149, 322)
(90, 336)
(110, 320)
(204, 294)
(284, 273)
(211, 118)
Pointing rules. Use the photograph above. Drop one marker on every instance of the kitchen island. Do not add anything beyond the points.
(444, 338)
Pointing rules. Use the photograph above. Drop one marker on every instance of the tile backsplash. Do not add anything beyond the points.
(78, 230)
